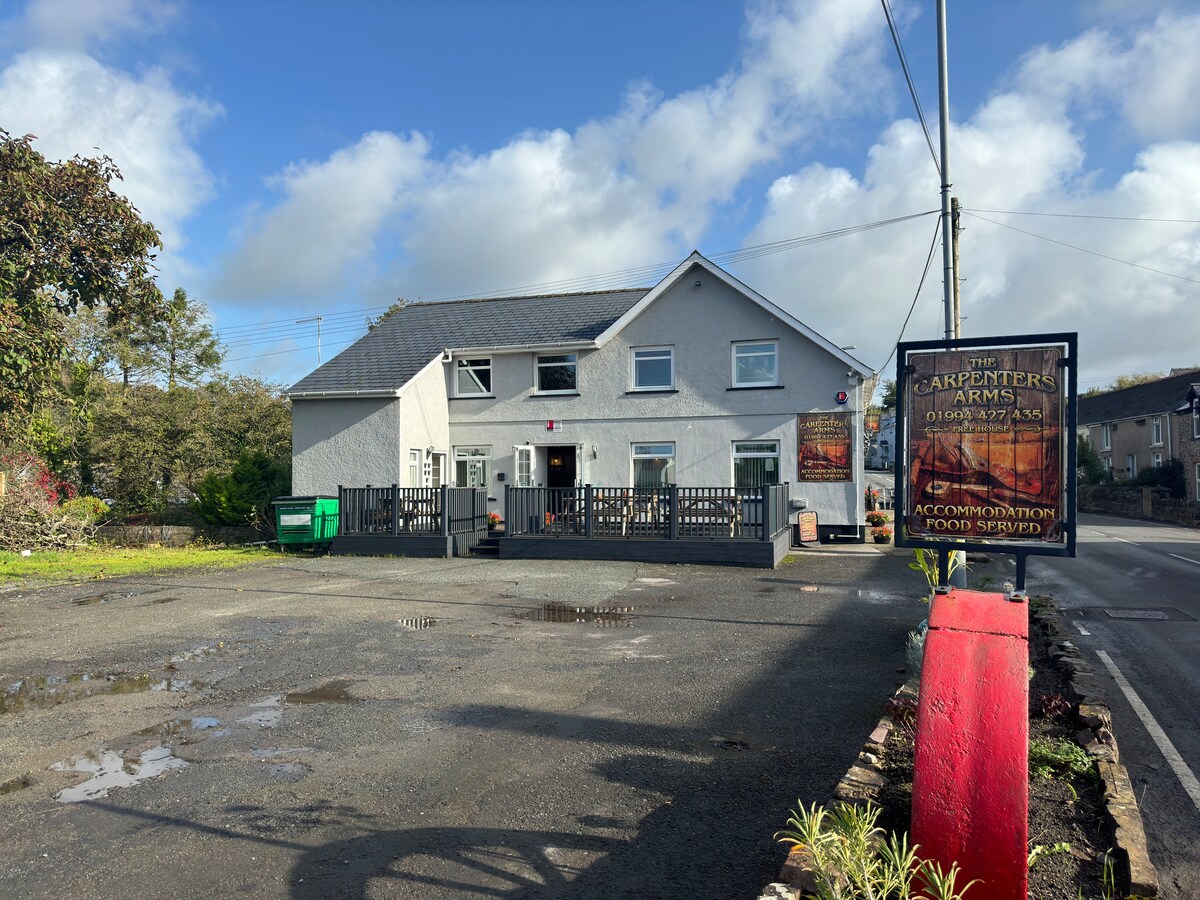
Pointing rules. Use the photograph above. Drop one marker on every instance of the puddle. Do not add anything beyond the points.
(16, 784)
(289, 771)
(417, 624)
(330, 692)
(164, 599)
(51, 690)
(733, 744)
(655, 581)
(601, 616)
(267, 715)
(110, 771)
(274, 752)
(182, 726)
(878, 596)
(94, 599)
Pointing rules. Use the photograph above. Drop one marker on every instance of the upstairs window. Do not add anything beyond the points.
(1105, 437)
(653, 368)
(556, 374)
(473, 377)
(756, 364)
(1196, 418)
(1156, 433)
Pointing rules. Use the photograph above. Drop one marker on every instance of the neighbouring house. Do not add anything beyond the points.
(881, 454)
(698, 381)
(1145, 425)
(1189, 438)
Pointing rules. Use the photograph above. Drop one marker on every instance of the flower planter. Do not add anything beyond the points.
(882, 540)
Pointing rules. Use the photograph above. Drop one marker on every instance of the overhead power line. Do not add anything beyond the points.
(912, 89)
(1014, 212)
(1086, 250)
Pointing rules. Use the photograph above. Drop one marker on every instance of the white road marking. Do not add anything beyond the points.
(1100, 533)
(1123, 541)
(1185, 558)
(1186, 777)
(1082, 630)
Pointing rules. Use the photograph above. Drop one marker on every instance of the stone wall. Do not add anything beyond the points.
(1138, 503)
(177, 535)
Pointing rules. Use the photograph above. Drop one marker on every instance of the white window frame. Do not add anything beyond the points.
(634, 352)
(1156, 460)
(1196, 418)
(1106, 437)
(523, 455)
(733, 362)
(1198, 481)
(474, 363)
(1131, 465)
(470, 454)
(1156, 431)
(437, 470)
(755, 454)
(635, 454)
(1108, 464)
(538, 365)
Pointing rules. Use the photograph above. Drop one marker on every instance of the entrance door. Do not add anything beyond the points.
(560, 467)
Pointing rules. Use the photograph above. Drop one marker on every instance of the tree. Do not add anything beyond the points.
(183, 348)
(889, 395)
(244, 495)
(1125, 381)
(1091, 467)
(67, 240)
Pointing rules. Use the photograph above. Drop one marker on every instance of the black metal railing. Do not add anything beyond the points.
(398, 511)
(669, 512)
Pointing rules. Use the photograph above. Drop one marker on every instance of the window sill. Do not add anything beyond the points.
(474, 397)
(652, 391)
(756, 387)
(554, 394)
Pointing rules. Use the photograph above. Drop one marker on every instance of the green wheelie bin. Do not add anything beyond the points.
(305, 521)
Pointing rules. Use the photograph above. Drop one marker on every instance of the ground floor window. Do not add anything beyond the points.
(1156, 460)
(755, 463)
(1131, 464)
(653, 465)
(414, 468)
(472, 466)
(524, 459)
(437, 465)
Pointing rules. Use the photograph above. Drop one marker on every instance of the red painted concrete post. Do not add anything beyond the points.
(971, 770)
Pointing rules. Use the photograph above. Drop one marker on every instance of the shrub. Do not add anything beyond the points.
(91, 510)
(243, 496)
(30, 515)
(1049, 757)
(877, 518)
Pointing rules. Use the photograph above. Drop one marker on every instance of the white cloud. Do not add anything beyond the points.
(1024, 150)
(633, 188)
(76, 24)
(334, 212)
(76, 105)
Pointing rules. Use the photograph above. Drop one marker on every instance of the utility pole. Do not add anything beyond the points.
(956, 226)
(948, 266)
(316, 319)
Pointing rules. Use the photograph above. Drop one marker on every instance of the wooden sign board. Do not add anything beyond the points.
(987, 446)
(824, 449)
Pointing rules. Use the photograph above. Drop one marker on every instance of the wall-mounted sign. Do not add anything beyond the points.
(554, 424)
(987, 453)
(841, 396)
(824, 448)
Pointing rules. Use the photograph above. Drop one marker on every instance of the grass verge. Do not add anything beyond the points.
(105, 561)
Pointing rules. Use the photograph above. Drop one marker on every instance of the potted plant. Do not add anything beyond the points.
(494, 521)
(876, 518)
(881, 533)
(871, 498)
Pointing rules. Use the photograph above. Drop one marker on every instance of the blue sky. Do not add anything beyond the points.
(310, 159)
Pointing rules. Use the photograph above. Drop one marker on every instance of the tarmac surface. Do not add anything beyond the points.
(461, 728)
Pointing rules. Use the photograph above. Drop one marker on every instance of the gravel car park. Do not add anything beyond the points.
(390, 727)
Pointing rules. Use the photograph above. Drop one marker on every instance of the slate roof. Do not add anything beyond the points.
(387, 357)
(1149, 399)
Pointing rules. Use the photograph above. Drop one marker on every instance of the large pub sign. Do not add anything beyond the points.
(986, 456)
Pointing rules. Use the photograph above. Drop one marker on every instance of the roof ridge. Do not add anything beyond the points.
(410, 303)
(1186, 373)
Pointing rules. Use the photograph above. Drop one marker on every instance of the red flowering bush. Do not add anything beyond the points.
(38, 511)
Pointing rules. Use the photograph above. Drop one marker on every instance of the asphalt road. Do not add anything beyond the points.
(1138, 569)
(417, 728)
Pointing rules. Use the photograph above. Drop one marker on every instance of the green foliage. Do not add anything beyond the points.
(374, 322)
(1041, 851)
(91, 510)
(889, 395)
(926, 562)
(106, 561)
(244, 495)
(67, 241)
(914, 651)
(1091, 467)
(1170, 476)
(1050, 757)
(850, 860)
(875, 518)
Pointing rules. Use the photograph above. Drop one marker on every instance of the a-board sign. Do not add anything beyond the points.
(808, 528)
(987, 453)
(824, 447)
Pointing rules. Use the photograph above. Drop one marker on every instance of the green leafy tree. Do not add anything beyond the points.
(243, 495)
(889, 395)
(1091, 467)
(67, 240)
(182, 346)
